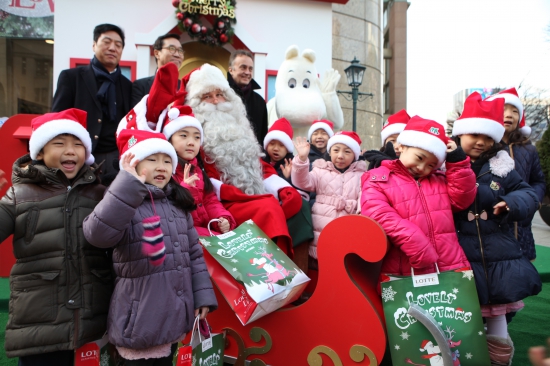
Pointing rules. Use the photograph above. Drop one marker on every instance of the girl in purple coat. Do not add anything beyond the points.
(185, 133)
(162, 282)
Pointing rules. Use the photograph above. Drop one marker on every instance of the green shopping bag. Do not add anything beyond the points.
(449, 326)
(206, 351)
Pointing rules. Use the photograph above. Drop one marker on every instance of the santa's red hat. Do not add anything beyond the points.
(50, 125)
(179, 117)
(395, 124)
(427, 135)
(144, 143)
(322, 124)
(149, 113)
(280, 131)
(479, 116)
(348, 138)
(510, 96)
(204, 80)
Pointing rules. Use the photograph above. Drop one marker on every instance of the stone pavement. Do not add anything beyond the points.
(541, 231)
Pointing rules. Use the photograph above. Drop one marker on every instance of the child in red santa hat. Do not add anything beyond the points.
(414, 202)
(185, 133)
(335, 180)
(162, 282)
(527, 163)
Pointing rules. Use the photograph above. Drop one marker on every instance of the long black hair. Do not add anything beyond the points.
(486, 155)
(182, 197)
(208, 187)
(517, 138)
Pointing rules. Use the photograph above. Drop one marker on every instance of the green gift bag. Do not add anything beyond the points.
(451, 310)
(206, 351)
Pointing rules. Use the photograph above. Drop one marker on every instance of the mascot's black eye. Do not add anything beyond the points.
(292, 83)
(305, 83)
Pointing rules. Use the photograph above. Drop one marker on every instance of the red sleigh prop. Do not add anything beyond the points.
(341, 324)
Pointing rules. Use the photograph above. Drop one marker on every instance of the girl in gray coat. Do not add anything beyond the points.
(162, 281)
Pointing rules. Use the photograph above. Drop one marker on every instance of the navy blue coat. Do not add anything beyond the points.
(503, 274)
(527, 164)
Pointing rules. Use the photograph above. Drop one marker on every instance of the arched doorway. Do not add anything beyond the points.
(197, 54)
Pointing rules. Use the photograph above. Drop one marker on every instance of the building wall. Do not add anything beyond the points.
(397, 42)
(356, 32)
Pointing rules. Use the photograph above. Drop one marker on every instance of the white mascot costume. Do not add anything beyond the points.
(301, 97)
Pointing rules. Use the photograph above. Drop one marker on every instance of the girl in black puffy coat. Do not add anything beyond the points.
(504, 275)
(526, 159)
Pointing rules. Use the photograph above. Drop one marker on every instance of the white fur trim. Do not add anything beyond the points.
(394, 128)
(346, 140)
(501, 164)
(525, 131)
(140, 110)
(483, 126)
(181, 122)
(510, 99)
(280, 136)
(217, 184)
(204, 80)
(47, 131)
(319, 125)
(143, 149)
(424, 141)
(274, 183)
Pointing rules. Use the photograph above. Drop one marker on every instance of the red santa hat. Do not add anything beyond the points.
(348, 138)
(395, 124)
(481, 117)
(427, 135)
(280, 131)
(322, 124)
(149, 113)
(144, 143)
(179, 117)
(423, 345)
(204, 80)
(525, 130)
(50, 125)
(510, 96)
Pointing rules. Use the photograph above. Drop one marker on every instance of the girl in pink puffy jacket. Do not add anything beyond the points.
(185, 133)
(336, 182)
(414, 202)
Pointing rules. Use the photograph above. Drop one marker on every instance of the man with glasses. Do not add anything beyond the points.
(102, 91)
(167, 48)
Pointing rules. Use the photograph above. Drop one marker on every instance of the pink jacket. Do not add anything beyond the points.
(418, 215)
(208, 205)
(337, 193)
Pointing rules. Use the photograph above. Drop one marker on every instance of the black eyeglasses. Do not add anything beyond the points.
(173, 49)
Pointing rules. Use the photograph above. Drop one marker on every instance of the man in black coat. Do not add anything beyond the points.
(167, 48)
(241, 65)
(102, 91)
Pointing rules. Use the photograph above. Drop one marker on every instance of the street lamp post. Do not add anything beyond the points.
(354, 74)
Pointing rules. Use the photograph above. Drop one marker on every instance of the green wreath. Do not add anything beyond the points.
(221, 31)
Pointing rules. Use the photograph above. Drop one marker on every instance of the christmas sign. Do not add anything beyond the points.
(253, 274)
(454, 305)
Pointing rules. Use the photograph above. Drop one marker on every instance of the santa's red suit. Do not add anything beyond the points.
(263, 209)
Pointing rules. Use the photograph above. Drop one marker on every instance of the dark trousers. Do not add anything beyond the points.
(165, 361)
(58, 358)
(110, 167)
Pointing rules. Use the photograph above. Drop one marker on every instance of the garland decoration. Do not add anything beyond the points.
(220, 13)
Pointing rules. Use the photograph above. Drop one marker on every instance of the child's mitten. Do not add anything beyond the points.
(153, 243)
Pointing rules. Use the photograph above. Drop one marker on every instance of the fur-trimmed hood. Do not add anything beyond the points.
(501, 164)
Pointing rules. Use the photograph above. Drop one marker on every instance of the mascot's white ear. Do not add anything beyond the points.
(291, 52)
(309, 55)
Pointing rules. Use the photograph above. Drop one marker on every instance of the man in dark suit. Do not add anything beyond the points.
(101, 90)
(167, 48)
(239, 76)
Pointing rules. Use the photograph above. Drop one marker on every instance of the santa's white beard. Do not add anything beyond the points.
(230, 144)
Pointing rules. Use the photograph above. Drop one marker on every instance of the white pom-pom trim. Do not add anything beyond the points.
(173, 113)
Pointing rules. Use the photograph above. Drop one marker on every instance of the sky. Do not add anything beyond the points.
(459, 44)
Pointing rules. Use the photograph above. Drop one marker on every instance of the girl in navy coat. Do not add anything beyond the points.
(503, 273)
(526, 158)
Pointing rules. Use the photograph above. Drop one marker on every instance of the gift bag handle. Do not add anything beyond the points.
(436, 268)
(208, 226)
(197, 326)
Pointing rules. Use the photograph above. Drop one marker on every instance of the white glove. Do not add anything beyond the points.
(217, 186)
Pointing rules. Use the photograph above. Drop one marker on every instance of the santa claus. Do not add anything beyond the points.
(248, 187)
